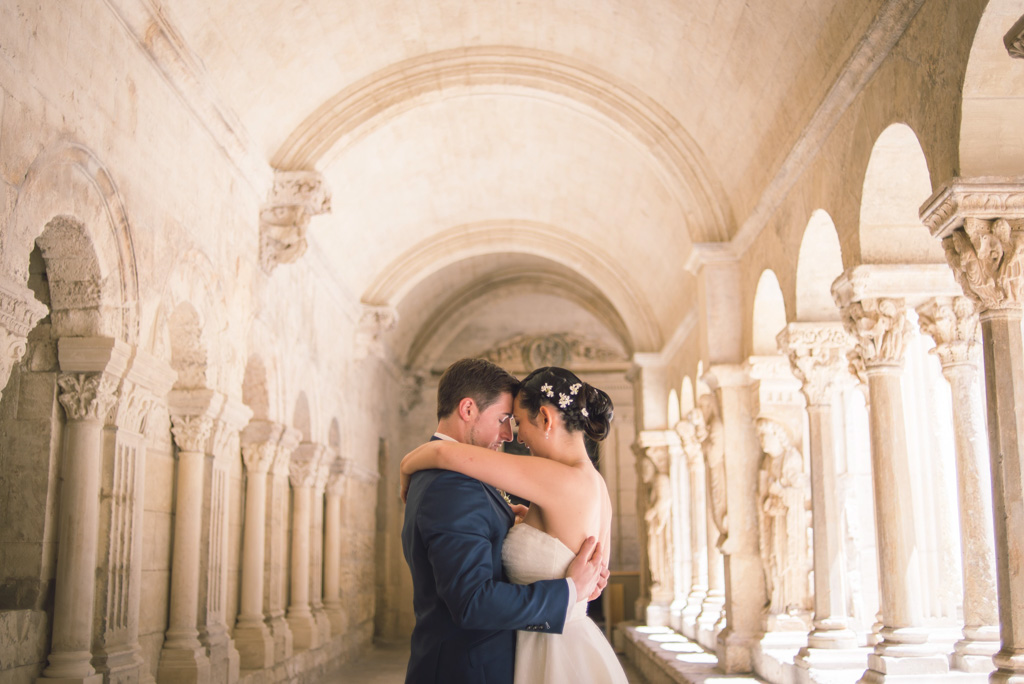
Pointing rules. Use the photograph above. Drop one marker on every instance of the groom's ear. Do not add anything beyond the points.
(467, 408)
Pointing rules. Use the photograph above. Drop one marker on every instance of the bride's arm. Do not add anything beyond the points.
(536, 479)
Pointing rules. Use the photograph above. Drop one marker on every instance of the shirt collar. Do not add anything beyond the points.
(445, 437)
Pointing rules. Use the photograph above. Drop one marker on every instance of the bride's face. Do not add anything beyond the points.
(531, 430)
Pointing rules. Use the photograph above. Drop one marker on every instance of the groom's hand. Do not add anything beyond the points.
(585, 570)
(602, 582)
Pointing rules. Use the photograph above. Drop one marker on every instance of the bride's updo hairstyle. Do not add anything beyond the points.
(583, 407)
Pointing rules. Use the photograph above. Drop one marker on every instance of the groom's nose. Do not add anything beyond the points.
(505, 433)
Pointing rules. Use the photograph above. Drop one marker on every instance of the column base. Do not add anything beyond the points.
(323, 624)
(825, 639)
(1009, 668)
(336, 616)
(282, 635)
(255, 646)
(735, 651)
(183, 666)
(971, 655)
(882, 666)
(832, 658)
(224, 659)
(305, 635)
(70, 666)
(657, 614)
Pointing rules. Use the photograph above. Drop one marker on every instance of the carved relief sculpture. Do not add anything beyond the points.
(782, 517)
(707, 421)
(655, 472)
(296, 197)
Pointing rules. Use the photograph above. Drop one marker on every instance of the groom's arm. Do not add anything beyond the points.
(460, 552)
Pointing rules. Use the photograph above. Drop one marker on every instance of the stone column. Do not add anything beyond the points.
(744, 575)
(681, 557)
(19, 313)
(302, 470)
(117, 654)
(332, 549)
(184, 657)
(224, 658)
(253, 639)
(981, 223)
(817, 354)
(953, 324)
(88, 381)
(278, 557)
(879, 327)
(316, 550)
(698, 538)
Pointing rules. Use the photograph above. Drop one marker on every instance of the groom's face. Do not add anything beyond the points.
(493, 426)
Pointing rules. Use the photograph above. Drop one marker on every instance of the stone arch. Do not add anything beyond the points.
(521, 237)
(819, 263)
(70, 206)
(687, 401)
(302, 419)
(673, 408)
(896, 181)
(991, 125)
(769, 315)
(259, 389)
(373, 101)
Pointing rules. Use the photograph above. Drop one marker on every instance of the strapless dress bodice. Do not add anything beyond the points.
(530, 555)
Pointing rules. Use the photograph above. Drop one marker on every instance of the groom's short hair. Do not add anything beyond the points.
(478, 379)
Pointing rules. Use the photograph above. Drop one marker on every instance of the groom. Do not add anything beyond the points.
(466, 611)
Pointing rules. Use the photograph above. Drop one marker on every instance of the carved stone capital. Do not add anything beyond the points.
(295, 197)
(879, 328)
(987, 258)
(817, 356)
(259, 457)
(527, 352)
(192, 433)
(1014, 40)
(953, 323)
(87, 396)
(305, 464)
(981, 198)
(133, 407)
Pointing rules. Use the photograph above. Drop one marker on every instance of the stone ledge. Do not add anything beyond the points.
(666, 657)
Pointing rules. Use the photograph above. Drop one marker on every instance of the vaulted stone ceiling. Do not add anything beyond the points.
(472, 146)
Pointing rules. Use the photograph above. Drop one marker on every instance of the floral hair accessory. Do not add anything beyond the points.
(584, 412)
(546, 389)
(563, 400)
(573, 389)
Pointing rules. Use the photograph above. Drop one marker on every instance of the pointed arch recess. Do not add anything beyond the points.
(896, 181)
(819, 263)
(769, 315)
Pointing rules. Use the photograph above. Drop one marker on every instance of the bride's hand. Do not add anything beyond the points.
(520, 512)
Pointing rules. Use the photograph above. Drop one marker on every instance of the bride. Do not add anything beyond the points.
(569, 502)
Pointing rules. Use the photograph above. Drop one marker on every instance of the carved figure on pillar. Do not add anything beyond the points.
(707, 420)
(782, 514)
(295, 197)
(655, 467)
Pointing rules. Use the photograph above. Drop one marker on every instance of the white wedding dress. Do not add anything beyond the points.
(580, 653)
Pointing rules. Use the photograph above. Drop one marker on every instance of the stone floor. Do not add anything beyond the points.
(386, 665)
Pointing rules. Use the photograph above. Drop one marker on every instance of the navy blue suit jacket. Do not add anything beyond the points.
(466, 611)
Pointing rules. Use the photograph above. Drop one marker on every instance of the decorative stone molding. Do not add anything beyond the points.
(305, 464)
(19, 309)
(817, 356)
(1014, 40)
(879, 327)
(528, 352)
(953, 323)
(87, 396)
(987, 198)
(350, 470)
(374, 322)
(987, 258)
(295, 198)
(191, 433)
